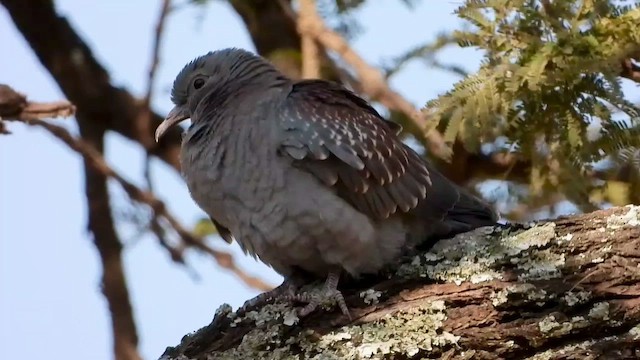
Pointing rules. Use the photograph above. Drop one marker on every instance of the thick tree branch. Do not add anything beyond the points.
(562, 289)
(101, 225)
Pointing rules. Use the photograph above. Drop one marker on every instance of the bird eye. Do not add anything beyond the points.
(198, 83)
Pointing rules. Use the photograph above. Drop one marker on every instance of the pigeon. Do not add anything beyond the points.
(306, 175)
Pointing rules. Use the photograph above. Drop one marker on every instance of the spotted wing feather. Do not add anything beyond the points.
(343, 141)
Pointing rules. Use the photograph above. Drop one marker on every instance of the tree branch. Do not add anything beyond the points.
(14, 106)
(145, 126)
(281, 43)
(567, 288)
(101, 225)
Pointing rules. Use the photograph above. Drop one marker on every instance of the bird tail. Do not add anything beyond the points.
(469, 212)
(452, 209)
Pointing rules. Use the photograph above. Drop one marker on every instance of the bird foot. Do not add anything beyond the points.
(283, 291)
(329, 295)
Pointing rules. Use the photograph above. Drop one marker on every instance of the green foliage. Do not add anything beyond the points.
(549, 85)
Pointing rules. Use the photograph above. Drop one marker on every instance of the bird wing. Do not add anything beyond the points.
(342, 140)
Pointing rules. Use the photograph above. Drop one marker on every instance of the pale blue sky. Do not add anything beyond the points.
(50, 301)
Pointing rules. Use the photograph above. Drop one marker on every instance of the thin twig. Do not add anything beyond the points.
(154, 225)
(145, 119)
(155, 57)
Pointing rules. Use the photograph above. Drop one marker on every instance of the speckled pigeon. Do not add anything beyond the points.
(306, 175)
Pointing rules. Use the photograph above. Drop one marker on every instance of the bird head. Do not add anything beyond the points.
(215, 74)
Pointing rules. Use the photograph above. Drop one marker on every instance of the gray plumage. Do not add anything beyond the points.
(306, 175)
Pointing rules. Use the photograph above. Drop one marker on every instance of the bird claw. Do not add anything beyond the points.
(328, 295)
(286, 292)
(283, 291)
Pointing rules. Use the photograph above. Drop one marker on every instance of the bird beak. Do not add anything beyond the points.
(176, 115)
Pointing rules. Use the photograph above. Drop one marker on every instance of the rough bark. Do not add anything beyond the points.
(562, 289)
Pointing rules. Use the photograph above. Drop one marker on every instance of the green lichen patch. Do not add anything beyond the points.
(259, 343)
(634, 332)
(541, 265)
(549, 324)
(269, 313)
(600, 311)
(463, 258)
(405, 332)
(520, 294)
(466, 269)
(370, 296)
(570, 351)
(537, 236)
(402, 333)
(552, 327)
(478, 256)
(630, 218)
(574, 298)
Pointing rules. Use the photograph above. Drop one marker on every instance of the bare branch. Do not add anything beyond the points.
(145, 127)
(107, 242)
(155, 57)
(147, 113)
(14, 106)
